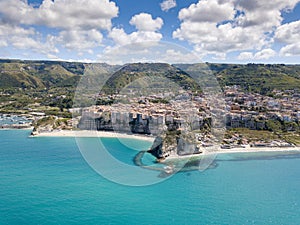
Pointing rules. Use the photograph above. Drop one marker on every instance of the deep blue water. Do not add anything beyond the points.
(47, 181)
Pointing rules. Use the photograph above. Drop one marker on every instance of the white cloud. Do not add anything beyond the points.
(207, 11)
(130, 47)
(21, 38)
(289, 34)
(82, 40)
(10, 29)
(222, 26)
(121, 38)
(145, 22)
(245, 56)
(291, 50)
(159, 52)
(262, 14)
(3, 43)
(79, 26)
(121, 54)
(177, 56)
(29, 43)
(212, 27)
(147, 30)
(260, 55)
(265, 54)
(166, 5)
(65, 14)
(219, 56)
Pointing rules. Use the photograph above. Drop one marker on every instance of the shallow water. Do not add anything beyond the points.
(47, 181)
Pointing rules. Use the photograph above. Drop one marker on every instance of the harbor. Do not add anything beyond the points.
(8, 121)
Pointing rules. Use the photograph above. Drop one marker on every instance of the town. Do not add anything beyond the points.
(255, 105)
(185, 112)
(274, 118)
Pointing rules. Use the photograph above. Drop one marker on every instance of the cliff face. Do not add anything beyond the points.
(174, 142)
(157, 148)
(169, 139)
(120, 122)
(139, 125)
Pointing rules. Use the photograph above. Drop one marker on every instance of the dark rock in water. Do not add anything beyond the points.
(174, 141)
(156, 148)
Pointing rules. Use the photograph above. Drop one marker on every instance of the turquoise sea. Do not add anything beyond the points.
(47, 181)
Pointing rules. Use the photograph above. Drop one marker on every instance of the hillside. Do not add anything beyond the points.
(48, 74)
(19, 79)
(259, 77)
(142, 74)
(44, 74)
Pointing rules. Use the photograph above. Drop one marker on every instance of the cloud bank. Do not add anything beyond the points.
(216, 29)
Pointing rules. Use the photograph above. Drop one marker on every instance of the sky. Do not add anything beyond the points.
(119, 31)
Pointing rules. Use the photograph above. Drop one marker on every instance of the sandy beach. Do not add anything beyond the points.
(256, 149)
(217, 150)
(206, 151)
(90, 133)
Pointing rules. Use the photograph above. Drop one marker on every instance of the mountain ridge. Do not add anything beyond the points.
(261, 78)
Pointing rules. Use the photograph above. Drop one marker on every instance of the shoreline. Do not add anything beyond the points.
(208, 151)
(92, 133)
(236, 150)
(12, 128)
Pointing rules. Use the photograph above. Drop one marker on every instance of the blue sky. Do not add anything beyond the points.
(226, 31)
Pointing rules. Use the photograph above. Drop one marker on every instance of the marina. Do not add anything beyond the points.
(8, 121)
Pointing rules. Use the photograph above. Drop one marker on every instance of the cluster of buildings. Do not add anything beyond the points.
(248, 110)
(252, 110)
(187, 112)
(146, 115)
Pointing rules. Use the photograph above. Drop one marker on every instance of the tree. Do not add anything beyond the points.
(274, 125)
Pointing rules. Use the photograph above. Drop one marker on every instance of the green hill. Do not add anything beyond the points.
(262, 78)
(259, 77)
(19, 79)
(158, 73)
(30, 74)
(41, 74)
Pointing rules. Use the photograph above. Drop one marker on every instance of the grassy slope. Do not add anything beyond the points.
(133, 74)
(252, 77)
(14, 75)
(33, 74)
(261, 78)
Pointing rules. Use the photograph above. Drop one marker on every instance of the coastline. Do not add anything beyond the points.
(11, 128)
(92, 133)
(235, 150)
(208, 151)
